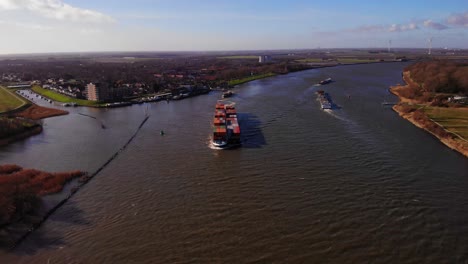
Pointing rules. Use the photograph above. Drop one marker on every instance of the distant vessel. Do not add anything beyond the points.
(324, 99)
(228, 94)
(326, 81)
(226, 130)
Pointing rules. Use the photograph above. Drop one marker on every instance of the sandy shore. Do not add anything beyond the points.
(451, 142)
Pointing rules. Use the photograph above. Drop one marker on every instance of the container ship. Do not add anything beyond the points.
(226, 130)
(324, 99)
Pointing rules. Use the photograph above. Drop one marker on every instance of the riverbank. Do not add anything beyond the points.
(22, 123)
(36, 112)
(12, 234)
(21, 193)
(250, 78)
(23, 135)
(413, 111)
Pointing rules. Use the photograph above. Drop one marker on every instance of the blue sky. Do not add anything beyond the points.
(144, 25)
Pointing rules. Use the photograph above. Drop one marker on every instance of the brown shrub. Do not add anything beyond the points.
(9, 168)
(426, 97)
(36, 112)
(420, 116)
(410, 92)
(20, 189)
(405, 108)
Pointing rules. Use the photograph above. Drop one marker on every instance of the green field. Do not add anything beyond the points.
(355, 60)
(453, 119)
(123, 60)
(336, 60)
(9, 100)
(315, 60)
(250, 78)
(240, 57)
(63, 98)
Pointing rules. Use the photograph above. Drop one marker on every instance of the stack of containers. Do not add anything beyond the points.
(219, 129)
(232, 125)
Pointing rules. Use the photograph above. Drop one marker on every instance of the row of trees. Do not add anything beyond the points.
(440, 76)
(21, 189)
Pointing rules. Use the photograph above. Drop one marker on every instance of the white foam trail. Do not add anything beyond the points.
(334, 114)
(210, 144)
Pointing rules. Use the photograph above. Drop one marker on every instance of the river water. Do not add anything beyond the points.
(354, 184)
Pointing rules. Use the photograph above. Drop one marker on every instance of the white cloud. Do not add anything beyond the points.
(458, 19)
(26, 25)
(56, 9)
(372, 28)
(400, 28)
(434, 25)
(8, 5)
(384, 28)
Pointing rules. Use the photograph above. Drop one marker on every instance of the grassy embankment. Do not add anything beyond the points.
(12, 129)
(424, 101)
(250, 78)
(449, 125)
(240, 57)
(9, 100)
(337, 60)
(63, 98)
(454, 120)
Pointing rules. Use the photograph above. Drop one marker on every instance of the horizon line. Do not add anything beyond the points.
(217, 51)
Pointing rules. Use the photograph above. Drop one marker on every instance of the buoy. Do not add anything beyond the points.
(162, 132)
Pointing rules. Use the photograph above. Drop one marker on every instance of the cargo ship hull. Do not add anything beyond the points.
(226, 130)
(324, 99)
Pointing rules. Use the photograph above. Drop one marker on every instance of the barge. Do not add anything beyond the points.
(324, 99)
(226, 130)
(326, 81)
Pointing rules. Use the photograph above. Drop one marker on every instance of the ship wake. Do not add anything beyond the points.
(336, 115)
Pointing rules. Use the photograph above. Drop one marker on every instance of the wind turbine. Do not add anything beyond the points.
(430, 45)
(389, 45)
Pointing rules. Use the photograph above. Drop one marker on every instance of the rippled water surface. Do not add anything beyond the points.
(354, 184)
